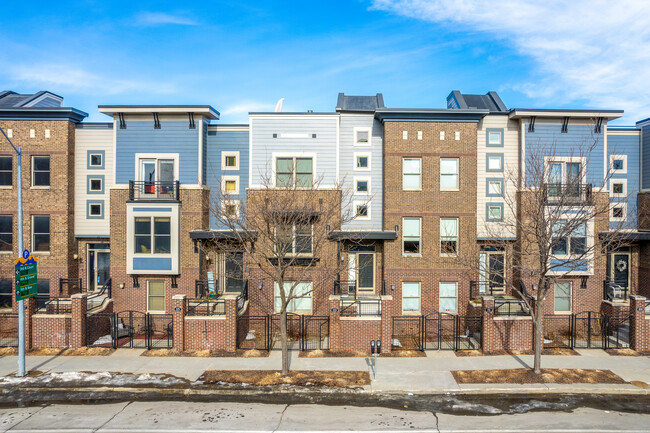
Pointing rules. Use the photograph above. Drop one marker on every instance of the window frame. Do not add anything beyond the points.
(157, 157)
(291, 307)
(34, 234)
(418, 174)
(34, 171)
(367, 130)
(294, 242)
(568, 243)
(357, 204)
(623, 206)
(368, 181)
(163, 296)
(294, 169)
(613, 194)
(225, 203)
(11, 235)
(358, 155)
(613, 158)
(152, 236)
(489, 156)
(89, 204)
(488, 217)
(226, 179)
(488, 142)
(225, 154)
(89, 182)
(457, 237)
(493, 180)
(10, 185)
(418, 297)
(455, 297)
(90, 154)
(457, 174)
(570, 297)
(419, 237)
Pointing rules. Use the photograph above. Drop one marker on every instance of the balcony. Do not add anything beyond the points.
(145, 190)
(559, 194)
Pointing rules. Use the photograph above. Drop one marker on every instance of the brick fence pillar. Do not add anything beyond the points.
(386, 323)
(178, 319)
(488, 336)
(230, 344)
(639, 329)
(30, 310)
(78, 325)
(335, 323)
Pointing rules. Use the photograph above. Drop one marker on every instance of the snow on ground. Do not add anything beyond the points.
(94, 379)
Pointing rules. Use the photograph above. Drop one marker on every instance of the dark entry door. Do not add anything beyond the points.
(621, 269)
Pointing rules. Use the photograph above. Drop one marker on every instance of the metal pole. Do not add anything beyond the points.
(21, 303)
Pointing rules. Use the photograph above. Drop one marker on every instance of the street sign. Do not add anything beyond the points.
(26, 273)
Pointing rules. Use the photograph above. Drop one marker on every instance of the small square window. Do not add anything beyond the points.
(231, 161)
(494, 188)
(47, 133)
(95, 184)
(442, 135)
(231, 186)
(405, 135)
(618, 164)
(362, 137)
(617, 188)
(363, 162)
(419, 135)
(32, 133)
(494, 137)
(362, 211)
(362, 186)
(495, 163)
(96, 160)
(618, 212)
(10, 133)
(494, 213)
(457, 135)
(95, 210)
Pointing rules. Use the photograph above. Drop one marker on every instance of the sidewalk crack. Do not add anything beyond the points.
(22, 421)
(281, 416)
(437, 421)
(113, 417)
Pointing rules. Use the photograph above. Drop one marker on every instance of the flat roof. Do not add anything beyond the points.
(205, 110)
(358, 235)
(43, 113)
(516, 113)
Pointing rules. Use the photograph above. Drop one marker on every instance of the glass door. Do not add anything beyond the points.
(99, 266)
(366, 272)
(148, 167)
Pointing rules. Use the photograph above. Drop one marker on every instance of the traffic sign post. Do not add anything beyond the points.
(26, 272)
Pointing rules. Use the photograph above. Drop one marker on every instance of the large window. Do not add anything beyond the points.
(293, 240)
(6, 233)
(291, 172)
(563, 297)
(156, 241)
(412, 173)
(565, 178)
(565, 243)
(448, 297)
(302, 297)
(41, 233)
(40, 171)
(6, 293)
(157, 170)
(411, 235)
(448, 236)
(410, 297)
(449, 174)
(6, 174)
(155, 295)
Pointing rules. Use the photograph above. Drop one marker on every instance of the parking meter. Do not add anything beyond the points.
(378, 347)
(372, 346)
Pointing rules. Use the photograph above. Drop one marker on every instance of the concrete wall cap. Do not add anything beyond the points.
(335, 297)
(175, 297)
(229, 296)
(79, 296)
(638, 297)
(386, 297)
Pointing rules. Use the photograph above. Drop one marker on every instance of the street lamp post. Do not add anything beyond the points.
(21, 303)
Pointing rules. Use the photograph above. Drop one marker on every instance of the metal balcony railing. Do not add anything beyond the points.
(568, 194)
(484, 288)
(361, 307)
(614, 292)
(510, 307)
(145, 190)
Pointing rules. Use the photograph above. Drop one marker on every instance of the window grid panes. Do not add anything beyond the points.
(41, 171)
(41, 233)
(6, 233)
(156, 295)
(448, 296)
(156, 241)
(411, 296)
(411, 228)
(291, 240)
(411, 170)
(448, 235)
(291, 172)
(448, 173)
(6, 171)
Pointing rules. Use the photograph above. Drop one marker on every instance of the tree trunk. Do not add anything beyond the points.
(285, 343)
(538, 335)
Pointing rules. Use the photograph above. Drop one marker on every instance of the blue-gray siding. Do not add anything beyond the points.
(646, 156)
(626, 145)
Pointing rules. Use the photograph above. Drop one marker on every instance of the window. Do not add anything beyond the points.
(95, 184)
(158, 170)
(292, 171)
(6, 293)
(230, 185)
(448, 236)
(6, 232)
(618, 164)
(40, 171)
(362, 185)
(448, 174)
(405, 135)
(410, 297)
(41, 233)
(6, 171)
(419, 135)
(293, 240)
(411, 235)
(362, 210)
(96, 159)
(442, 135)
(491, 270)
(32, 133)
(230, 208)
(159, 238)
(494, 138)
(448, 296)
(95, 209)
(302, 297)
(457, 135)
(230, 160)
(494, 211)
(361, 137)
(562, 297)
(494, 187)
(618, 188)
(619, 212)
(494, 162)
(565, 244)
(362, 161)
(47, 133)
(411, 173)
(155, 295)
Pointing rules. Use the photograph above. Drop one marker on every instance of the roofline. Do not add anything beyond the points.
(39, 94)
(516, 113)
(291, 113)
(45, 113)
(206, 110)
(360, 235)
(641, 122)
(428, 114)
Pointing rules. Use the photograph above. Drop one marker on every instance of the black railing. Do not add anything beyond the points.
(614, 292)
(61, 305)
(568, 194)
(345, 287)
(243, 296)
(205, 307)
(361, 307)
(480, 288)
(145, 190)
(96, 300)
(75, 285)
(202, 288)
(510, 307)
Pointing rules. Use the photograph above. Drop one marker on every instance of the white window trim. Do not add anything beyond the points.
(90, 159)
(498, 158)
(570, 298)
(548, 160)
(457, 242)
(586, 257)
(154, 211)
(419, 135)
(225, 154)
(362, 179)
(33, 249)
(225, 179)
(362, 129)
(90, 184)
(164, 296)
(291, 307)
(155, 156)
(101, 209)
(498, 142)
(311, 155)
(442, 135)
(611, 211)
(411, 174)
(224, 203)
(293, 241)
(457, 135)
(440, 297)
(360, 154)
(418, 311)
(611, 164)
(500, 183)
(405, 254)
(405, 135)
(358, 203)
(32, 179)
(612, 194)
(457, 175)
(489, 207)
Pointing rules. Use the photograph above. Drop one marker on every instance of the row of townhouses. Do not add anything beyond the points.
(131, 211)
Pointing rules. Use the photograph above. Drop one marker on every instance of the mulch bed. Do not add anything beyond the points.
(622, 352)
(341, 379)
(82, 351)
(359, 354)
(526, 375)
(253, 353)
(558, 351)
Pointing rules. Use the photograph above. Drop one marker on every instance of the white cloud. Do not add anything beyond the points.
(595, 52)
(161, 18)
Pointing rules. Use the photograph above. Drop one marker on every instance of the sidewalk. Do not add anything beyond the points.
(430, 374)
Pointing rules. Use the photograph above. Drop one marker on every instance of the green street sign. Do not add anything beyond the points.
(26, 276)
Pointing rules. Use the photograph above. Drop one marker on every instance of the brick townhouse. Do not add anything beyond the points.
(424, 197)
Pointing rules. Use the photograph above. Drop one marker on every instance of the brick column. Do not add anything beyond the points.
(78, 325)
(639, 329)
(335, 323)
(30, 310)
(178, 318)
(386, 323)
(230, 345)
(488, 324)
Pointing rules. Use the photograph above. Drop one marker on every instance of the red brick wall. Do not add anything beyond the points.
(51, 330)
(505, 333)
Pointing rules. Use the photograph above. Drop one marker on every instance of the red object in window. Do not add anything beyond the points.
(149, 188)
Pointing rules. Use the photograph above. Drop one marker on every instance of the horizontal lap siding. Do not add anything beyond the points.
(645, 135)
(626, 145)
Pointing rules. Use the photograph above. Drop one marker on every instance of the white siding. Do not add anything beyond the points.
(89, 140)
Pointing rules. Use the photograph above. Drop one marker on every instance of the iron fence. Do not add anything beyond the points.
(130, 329)
(8, 330)
(558, 331)
(303, 332)
(360, 307)
(568, 194)
(437, 331)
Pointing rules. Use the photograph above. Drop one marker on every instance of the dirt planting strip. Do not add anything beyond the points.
(341, 379)
(548, 375)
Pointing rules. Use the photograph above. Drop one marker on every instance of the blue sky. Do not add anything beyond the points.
(244, 56)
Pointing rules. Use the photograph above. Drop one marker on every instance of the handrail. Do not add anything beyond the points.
(362, 307)
(488, 289)
(154, 190)
(344, 287)
(205, 307)
(510, 307)
(61, 305)
(68, 282)
(567, 194)
(106, 289)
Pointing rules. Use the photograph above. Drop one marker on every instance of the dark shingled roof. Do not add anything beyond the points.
(360, 103)
(490, 101)
(9, 99)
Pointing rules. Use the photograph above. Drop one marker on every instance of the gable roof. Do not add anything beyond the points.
(490, 101)
(10, 99)
(359, 103)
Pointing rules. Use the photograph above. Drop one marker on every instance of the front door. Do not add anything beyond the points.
(620, 269)
(366, 272)
(99, 266)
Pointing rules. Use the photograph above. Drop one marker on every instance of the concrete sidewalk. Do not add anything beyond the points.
(430, 374)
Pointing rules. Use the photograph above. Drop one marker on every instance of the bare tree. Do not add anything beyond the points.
(282, 230)
(561, 224)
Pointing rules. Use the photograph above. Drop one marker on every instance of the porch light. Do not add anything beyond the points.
(260, 285)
